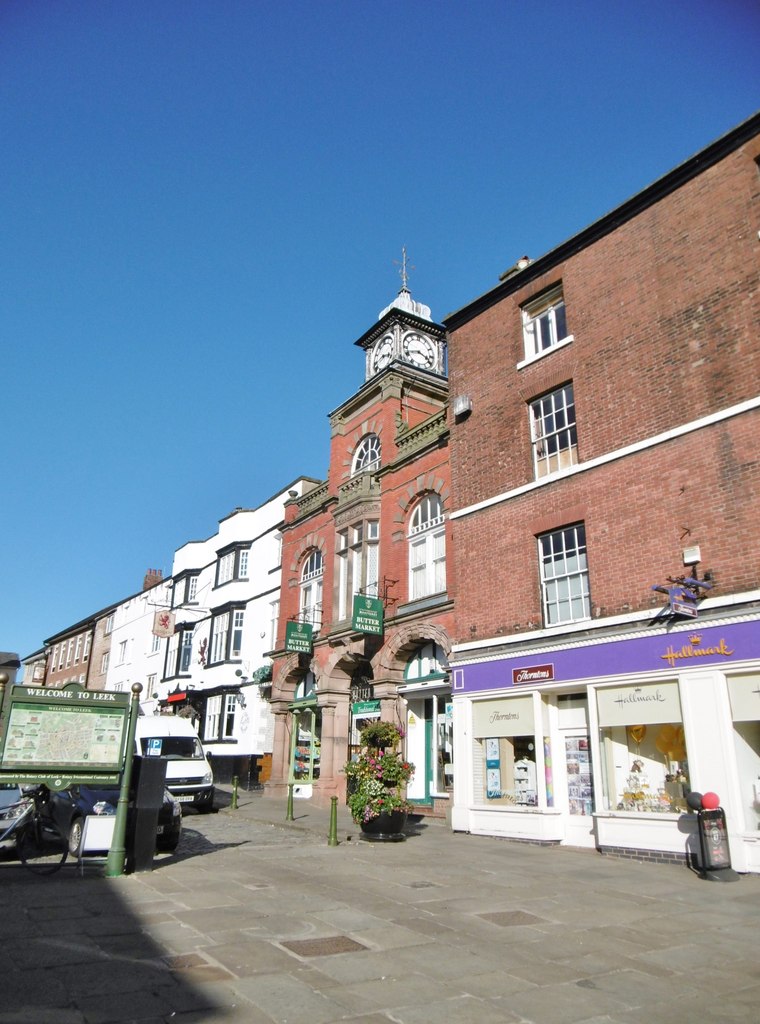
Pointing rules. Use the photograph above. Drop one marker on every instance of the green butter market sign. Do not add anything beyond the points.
(59, 736)
(298, 637)
(368, 615)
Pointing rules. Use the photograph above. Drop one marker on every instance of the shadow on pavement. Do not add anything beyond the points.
(74, 950)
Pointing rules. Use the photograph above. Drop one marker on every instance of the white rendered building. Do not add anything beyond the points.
(225, 606)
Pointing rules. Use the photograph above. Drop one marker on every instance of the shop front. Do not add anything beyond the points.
(597, 742)
(305, 738)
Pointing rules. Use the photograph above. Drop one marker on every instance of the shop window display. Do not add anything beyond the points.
(445, 744)
(743, 692)
(644, 758)
(507, 770)
(510, 770)
(580, 792)
(307, 748)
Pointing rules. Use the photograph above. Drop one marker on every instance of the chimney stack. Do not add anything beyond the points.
(152, 577)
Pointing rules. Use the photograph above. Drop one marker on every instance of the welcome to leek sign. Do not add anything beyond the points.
(56, 736)
(298, 637)
(368, 615)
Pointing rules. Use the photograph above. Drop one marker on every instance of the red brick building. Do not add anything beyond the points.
(375, 528)
(612, 447)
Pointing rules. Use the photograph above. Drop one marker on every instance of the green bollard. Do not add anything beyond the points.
(233, 802)
(332, 836)
(289, 815)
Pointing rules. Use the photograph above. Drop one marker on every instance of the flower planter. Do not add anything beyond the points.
(385, 827)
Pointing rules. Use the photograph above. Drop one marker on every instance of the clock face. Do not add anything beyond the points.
(419, 350)
(383, 353)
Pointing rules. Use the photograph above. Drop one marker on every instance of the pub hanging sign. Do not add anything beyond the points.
(368, 615)
(298, 637)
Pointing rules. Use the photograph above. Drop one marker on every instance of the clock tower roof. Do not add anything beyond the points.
(405, 302)
(405, 311)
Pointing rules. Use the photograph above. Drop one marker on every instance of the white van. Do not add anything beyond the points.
(188, 773)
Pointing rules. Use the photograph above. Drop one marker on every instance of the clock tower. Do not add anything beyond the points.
(405, 336)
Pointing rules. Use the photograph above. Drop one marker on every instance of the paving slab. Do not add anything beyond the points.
(258, 920)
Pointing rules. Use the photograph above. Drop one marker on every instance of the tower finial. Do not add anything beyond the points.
(404, 268)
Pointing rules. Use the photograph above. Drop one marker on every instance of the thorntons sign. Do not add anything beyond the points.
(536, 674)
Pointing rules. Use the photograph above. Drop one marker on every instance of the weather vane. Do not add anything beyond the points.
(405, 267)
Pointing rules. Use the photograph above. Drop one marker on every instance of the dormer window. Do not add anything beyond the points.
(367, 455)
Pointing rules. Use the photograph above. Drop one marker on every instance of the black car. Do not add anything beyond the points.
(12, 805)
(70, 807)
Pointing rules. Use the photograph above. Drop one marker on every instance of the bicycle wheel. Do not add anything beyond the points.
(41, 847)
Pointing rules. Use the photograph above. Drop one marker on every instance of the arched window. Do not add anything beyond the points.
(367, 455)
(306, 688)
(428, 662)
(311, 589)
(427, 548)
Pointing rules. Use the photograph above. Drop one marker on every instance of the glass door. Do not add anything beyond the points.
(573, 774)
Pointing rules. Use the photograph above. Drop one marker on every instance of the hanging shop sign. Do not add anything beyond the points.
(163, 624)
(368, 615)
(298, 637)
(683, 593)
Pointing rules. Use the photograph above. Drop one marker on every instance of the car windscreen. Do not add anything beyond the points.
(172, 746)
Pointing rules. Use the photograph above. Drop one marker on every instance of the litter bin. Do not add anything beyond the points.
(149, 781)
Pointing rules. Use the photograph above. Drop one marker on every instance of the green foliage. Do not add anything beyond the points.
(380, 734)
(376, 777)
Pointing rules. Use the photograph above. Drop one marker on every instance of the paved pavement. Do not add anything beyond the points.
(257, 920)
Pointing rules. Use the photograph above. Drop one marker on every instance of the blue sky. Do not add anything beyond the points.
(202, 202)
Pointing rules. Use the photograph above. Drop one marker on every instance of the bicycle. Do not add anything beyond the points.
(41, 846)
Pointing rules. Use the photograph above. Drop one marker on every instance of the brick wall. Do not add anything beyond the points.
(665, 315)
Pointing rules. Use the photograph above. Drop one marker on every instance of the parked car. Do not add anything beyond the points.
(12, 804)
(70, 807)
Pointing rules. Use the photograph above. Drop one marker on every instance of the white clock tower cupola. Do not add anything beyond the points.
(405, 336)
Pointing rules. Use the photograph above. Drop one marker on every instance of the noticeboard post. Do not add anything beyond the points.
(62, 737)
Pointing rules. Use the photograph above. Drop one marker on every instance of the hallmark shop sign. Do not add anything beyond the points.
(298, 637)
(368, 615)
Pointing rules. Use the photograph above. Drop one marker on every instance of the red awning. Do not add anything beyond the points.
(174, 697)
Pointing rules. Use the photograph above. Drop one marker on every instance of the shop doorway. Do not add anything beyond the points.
(305, 738)
(426, 693)
(575, 790)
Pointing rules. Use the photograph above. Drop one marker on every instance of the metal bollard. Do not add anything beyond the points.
(332, 836)
(289, 815)
(234, 801)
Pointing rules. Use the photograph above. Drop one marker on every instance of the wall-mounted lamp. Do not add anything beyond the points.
(462, 406)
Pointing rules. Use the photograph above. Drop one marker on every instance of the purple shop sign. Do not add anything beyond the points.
(674, 651)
